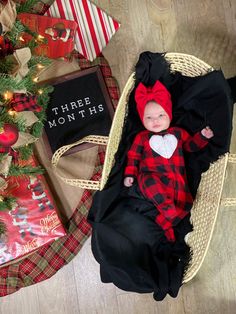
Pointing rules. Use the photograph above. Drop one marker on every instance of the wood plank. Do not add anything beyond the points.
(23, 301)
(58, 295)
(93, 295)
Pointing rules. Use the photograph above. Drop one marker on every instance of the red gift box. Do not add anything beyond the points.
(59, 34)
(95, 26)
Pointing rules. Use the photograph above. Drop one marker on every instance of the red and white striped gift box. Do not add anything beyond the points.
(95, 27)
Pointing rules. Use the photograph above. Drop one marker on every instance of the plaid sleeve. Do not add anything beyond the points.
(194, 143)
(134, 157)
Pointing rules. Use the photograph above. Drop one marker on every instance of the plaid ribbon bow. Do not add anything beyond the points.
(22, 102)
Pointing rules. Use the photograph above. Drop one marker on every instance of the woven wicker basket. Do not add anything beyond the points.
(206, 204)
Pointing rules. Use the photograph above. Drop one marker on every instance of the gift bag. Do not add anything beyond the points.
(32, 222)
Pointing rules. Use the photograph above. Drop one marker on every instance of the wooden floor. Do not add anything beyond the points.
(206, 29)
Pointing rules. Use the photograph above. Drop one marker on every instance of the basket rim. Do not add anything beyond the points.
(185, 55)
(175, 59)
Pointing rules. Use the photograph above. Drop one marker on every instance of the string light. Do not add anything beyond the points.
(40, 66)
(21, 38)
(40, 38)
(40, 91)
(12, 112)
(8, 95)
(35, 79)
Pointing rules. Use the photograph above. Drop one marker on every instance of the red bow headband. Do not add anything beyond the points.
(157, 93)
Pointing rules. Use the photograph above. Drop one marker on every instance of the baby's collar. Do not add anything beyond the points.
(161, 132)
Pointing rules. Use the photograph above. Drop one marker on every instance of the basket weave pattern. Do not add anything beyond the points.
(204, 213)
(84, 184)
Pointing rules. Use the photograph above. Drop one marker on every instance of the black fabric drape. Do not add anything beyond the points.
(232, 83)
(129, 246)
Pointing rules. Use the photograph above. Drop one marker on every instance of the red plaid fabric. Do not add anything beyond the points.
(23, 102)
(47, 260)
(161, 179)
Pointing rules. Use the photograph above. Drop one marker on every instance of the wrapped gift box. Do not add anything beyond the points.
(59, 34)
(95, 27)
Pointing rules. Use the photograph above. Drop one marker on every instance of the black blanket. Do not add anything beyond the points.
(130, 247)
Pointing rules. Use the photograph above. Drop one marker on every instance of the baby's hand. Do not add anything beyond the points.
(207, 132)
(128, 181)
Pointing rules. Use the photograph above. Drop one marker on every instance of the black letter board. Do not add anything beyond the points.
(79, 106)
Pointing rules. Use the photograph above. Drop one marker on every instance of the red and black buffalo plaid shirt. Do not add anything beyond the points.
(157, 162)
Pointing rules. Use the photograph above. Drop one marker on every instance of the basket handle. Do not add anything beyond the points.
(229, 201)
(84, 184)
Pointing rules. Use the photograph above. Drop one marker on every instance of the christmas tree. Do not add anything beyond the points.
(22, 100)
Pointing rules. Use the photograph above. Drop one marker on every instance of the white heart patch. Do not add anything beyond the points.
(163, 145)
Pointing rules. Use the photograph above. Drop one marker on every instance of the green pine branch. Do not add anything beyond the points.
(6, 118)
(27, 6)
(6, 204)
(35, 60)
(6, 65)
(17, 29)
(9, 83)
(3, 227)
(25, 151)
(16, 170)
(37, 129)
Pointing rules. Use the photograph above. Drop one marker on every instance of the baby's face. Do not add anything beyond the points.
(155, 118)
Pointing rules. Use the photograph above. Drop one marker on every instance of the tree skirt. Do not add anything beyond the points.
(47, 260)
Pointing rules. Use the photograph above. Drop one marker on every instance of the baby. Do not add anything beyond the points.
(156, 159)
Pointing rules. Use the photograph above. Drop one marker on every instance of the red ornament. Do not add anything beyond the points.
(2, 44)
(8, 135)
(6, 47)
